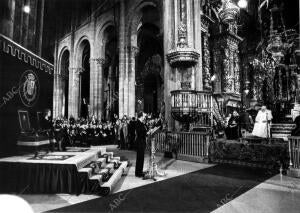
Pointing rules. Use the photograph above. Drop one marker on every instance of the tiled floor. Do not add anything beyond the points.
(277, 194)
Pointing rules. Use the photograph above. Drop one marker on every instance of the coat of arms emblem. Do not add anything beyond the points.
(29, 88)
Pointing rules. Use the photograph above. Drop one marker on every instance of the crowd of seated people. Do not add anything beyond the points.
(92, 132)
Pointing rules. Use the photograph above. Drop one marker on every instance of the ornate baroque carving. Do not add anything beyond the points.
(181, 56)
(206, 62)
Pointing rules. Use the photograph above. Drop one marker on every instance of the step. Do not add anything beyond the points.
(108, 186)
(102, 149)
(292, 172)
(105, 174)
(116, 158)
(87, 170)
(101, 162)
(110, 154)
(283, 136)
(110, 167)
(283, 125)
(97, 177)
(283, 131)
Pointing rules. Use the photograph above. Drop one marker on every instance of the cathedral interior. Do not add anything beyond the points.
(189, 66)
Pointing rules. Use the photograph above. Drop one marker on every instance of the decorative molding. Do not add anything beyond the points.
(132, 49)
(99, 61)
(10, 47)
(206, 63)
(205, 22)
(77, 70)
(183, 56)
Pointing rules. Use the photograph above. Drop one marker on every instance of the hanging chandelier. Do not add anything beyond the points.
(280, 42)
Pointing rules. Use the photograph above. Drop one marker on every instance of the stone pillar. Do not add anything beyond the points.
(182, 43)
(56, 95)
(169, 41)
(99, 89)
(122, 59)
(74, 91)
(7, 17)
(197, 19)
(93, 86)
(133, 51)
(54, 109)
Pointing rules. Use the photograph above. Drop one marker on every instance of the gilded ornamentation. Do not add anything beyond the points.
(236, 73)
(206, 62)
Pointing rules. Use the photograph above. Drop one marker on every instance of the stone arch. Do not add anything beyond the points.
(64, 64)
(142, 29)
(135, 20)
(100, 35)
(82, 77)
(60, 55)
(107, 85)
(79, 49)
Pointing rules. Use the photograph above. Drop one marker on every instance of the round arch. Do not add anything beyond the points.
(82, 73)
(64, 62)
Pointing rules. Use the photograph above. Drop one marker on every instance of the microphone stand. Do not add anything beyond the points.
(268, 133)
(153, 168)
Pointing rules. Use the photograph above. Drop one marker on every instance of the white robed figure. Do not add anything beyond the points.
(262, 123)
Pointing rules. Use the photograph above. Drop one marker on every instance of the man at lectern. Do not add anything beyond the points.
(141, 132)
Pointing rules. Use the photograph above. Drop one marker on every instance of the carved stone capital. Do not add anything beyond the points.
(77, 70)
(132, 50)
(99, 61)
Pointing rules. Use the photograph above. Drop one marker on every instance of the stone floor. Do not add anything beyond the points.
(277, 194)
(172, 168)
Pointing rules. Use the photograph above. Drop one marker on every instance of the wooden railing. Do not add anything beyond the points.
(294, 152)
(191, 146)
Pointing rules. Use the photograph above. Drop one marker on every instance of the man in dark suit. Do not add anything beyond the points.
(131, 133)
(141, 132)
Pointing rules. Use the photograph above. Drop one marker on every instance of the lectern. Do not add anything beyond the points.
(153, 170)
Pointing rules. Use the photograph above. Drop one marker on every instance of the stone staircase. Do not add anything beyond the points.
(282, 130)
(101, 176)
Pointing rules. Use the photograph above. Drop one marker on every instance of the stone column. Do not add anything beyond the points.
(74, 91)
(55, 95)
(54, 110)
(93, 86)
(169, 41)
(99, 88)
(197, 19)
(122, 62)
(7, 17)
(133, 51)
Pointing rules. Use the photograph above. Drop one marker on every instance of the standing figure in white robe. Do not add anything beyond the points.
(262, 123)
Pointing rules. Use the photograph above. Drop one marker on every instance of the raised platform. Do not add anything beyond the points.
(72, 171)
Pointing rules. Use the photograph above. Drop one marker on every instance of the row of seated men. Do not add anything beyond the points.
(62, 133)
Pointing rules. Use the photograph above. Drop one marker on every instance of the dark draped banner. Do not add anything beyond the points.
(26, 83)
(40, 178)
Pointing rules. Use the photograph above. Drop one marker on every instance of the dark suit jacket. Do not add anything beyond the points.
(141, 132)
